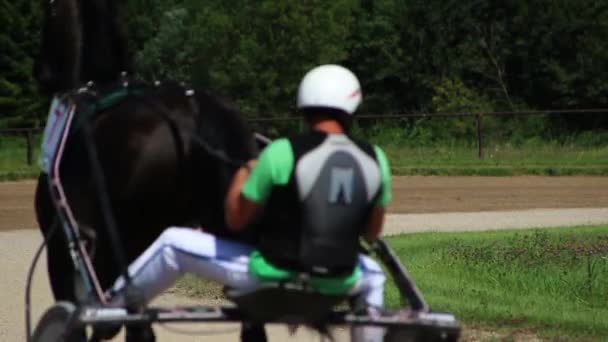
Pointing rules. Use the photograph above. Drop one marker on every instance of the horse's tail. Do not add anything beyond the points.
(323, 330)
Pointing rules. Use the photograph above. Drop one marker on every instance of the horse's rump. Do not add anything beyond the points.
(156, 174)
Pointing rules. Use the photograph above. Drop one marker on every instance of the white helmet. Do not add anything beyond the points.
(330, 86)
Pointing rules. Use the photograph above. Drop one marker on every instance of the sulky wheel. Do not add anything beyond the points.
(55, 323)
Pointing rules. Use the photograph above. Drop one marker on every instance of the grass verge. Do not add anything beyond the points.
(553, 283)
(500, 160)
(424, 162)
(13, 159)
(18, 175)
(442, 159)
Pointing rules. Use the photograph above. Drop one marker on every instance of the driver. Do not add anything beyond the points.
(314, 196)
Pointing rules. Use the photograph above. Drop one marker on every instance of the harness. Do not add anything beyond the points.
(90, 101)
(70, 115)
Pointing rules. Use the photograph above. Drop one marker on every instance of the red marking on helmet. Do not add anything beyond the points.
(355, 93)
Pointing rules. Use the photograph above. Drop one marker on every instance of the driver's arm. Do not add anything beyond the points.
(250, 190)
(376, 219)
(374, 227)
(239, 210)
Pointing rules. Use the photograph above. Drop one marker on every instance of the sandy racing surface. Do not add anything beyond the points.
(416, 194)
(420, 204)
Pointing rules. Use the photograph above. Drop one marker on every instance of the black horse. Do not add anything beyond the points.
(148, 146)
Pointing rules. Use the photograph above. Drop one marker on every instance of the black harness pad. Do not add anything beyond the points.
(334, 214)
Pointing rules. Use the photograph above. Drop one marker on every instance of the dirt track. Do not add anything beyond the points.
(425, 196)
(416, 194)
(419, 194)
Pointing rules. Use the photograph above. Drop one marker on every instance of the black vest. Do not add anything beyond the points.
(314, 222)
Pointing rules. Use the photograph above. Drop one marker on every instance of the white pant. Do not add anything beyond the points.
(185, 250)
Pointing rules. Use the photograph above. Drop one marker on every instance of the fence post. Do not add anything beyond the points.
(479, 119)
(28, 140)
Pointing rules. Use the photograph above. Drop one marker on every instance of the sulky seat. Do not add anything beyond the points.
(289, 302)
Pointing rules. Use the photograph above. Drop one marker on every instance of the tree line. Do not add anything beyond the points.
(411, 55)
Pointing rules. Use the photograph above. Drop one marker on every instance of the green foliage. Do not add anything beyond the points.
(454, 96)
(19, 105)
(377, 56)
(167, 55)
(255, 54)
(411, 56)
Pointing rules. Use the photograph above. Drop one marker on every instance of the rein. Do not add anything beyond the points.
(218, 154)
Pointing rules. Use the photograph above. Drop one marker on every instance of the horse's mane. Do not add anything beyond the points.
(105, 52)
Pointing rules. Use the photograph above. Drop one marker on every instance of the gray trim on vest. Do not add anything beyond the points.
(309, 166)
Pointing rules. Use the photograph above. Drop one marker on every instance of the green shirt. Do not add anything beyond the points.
(262, 269)
(276, 163)
(274, 168)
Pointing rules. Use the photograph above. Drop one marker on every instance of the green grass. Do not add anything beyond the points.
(552, 283)
(499, 160)
(443, 160)
(435, 150)
(457, 158)
(13, 160)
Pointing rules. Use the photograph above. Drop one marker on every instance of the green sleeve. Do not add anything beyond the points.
(274, 167)
(386, 194)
